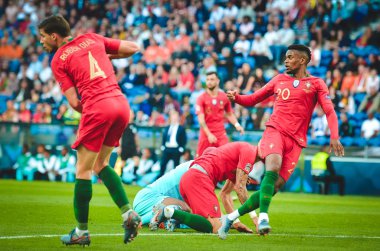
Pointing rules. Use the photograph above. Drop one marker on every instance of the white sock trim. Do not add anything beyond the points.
(252, 214)
(263, 216)
(80, 232)
(125, 215)
(168, 212)
(234, 215)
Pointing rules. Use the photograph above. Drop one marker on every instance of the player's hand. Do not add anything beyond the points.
(255, 221)
(231, 95)
(211, 138)
(337, 147)
(242, 228)
(240, 129)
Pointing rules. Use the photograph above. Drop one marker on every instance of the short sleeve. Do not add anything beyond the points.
(199, 108)
(61, 76)
(111, 45)
(246, 158)
(228, 106)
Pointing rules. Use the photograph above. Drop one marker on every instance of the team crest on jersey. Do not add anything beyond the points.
(307, 85)
(296, 83)
(248, 167)
(214, 101)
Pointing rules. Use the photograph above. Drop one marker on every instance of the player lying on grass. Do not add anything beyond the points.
(165, 191)
(296, 94)
(231, 163)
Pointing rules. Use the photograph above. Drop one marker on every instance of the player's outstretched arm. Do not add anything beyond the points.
(126, 49)
(228, 204)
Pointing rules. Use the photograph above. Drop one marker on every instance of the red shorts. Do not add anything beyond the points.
(103, 123)
(274, 141)
(203, 142)
(197, 189)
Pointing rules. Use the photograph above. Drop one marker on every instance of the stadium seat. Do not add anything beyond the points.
(347, 141)
(360, 142)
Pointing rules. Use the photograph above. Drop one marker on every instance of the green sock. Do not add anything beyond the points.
(115, 187)
(267, 190)
(82, 197)
(251, 204)
(194, 221)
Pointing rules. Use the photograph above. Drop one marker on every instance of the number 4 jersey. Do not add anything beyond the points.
(295, 100)
(83, 63)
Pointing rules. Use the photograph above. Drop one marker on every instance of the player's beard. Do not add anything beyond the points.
(211, 88)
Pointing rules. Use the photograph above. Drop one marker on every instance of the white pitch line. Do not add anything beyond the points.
(197, 234)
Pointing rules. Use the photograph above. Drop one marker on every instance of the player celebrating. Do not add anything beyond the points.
(296, 94)
(210, 109)
(82, 65)
(231, 162)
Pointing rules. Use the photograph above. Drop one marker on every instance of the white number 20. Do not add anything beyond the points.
(284, 94)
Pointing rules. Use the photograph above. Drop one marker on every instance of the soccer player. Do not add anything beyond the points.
(231, 162)
(211, 107)
(164, 190)
(82, 65)
(296, 94)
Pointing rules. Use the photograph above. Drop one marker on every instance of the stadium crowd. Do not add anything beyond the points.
(244, 41)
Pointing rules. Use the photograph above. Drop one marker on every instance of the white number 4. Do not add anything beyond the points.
(95, 70)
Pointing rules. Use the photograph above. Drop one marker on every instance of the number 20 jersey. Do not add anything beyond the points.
(295, 100)
(83, 63)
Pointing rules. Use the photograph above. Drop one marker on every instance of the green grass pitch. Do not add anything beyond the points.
(35, 214)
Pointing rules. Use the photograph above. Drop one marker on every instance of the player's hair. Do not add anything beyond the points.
(211, 73)
(301, 48)
(55, 24)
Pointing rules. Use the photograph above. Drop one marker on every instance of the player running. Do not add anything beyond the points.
(83, 65)
(296, 94)
(231, 162)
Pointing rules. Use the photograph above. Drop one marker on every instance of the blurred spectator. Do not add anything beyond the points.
(25, 116)
(22, 165)
(187, 118)
(65, 165)
(10, 114)
(245, 119)
(371, 102)
(245, 79)
(174, 141)
(49, 164)
(315, 54)
(246, 26)
(373, 81)
(346, 128)
(171, 104)
(370, 127)
(319, 126)
(260, 51)
(348, 81)
(322, 170)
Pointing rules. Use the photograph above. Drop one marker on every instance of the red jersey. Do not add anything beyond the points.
(221, 163)
(213, 109)
(83, 63)
(294, 104)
